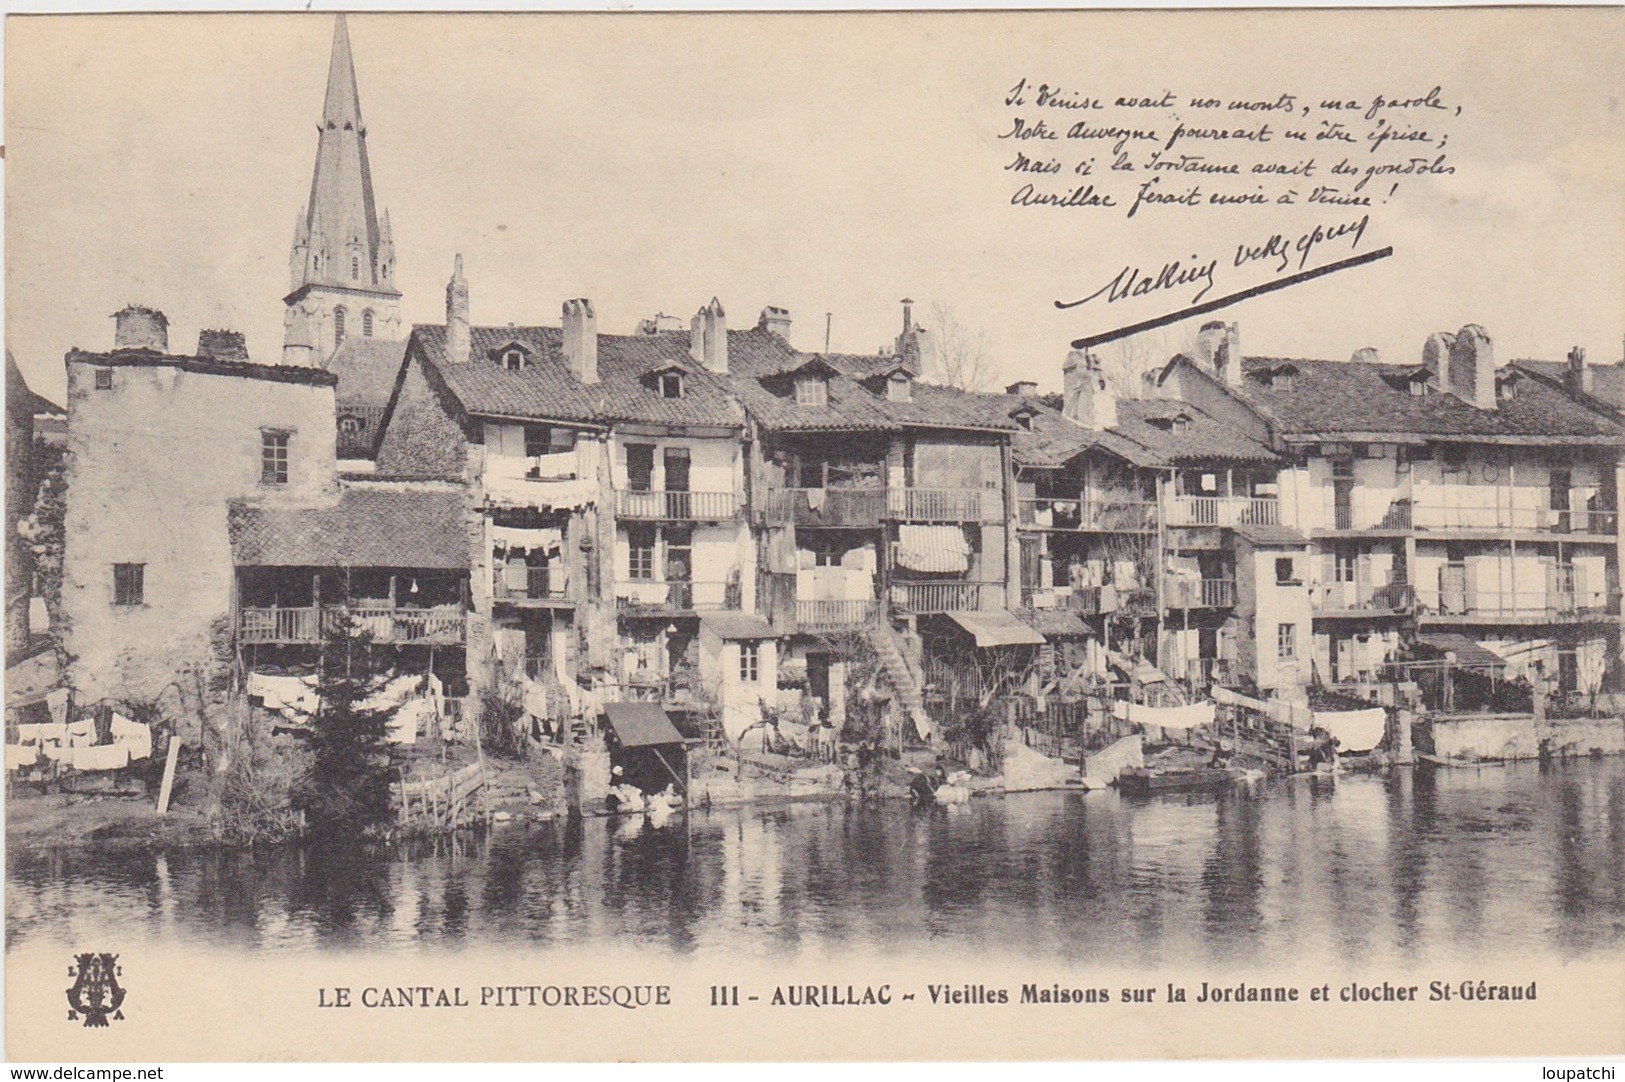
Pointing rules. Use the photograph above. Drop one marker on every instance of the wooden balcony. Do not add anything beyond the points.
(1200, 593)
(397, 626)
(1516, 607)
(944, 505)
(641, 595)
(1223, 511)
(1084, 600)
(1601, 526)
(516, 584)
(862, 508)
(676, 506)
(836, 615)
(1087, 515)
(1355, 599)
(929, 597)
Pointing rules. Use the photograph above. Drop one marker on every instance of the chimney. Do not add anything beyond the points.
(140, 327)
(1087, 400)
(1579, 373)
(1472, 367)
(459, 336)
(1436, 358)
(911, 343)
(1227, 360)
(1208, 341)
(776, 320)
(222, 345)
(581, 339)
(708, 337)
(1366, 355)
(1022, 387)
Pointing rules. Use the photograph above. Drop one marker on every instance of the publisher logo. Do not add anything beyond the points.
(96, 992)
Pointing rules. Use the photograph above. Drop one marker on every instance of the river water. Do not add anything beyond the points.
(1426, 865)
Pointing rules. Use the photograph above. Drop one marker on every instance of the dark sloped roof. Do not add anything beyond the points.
(1270, 536)
(1201, 438)
(147, 358)
(934, 406)
(1330, 397)
(363, 527)
(641, 725)
(545, 390)
(1052, 441)
(773, 404)
(1607, 380)
(21, 401)
(366, 368)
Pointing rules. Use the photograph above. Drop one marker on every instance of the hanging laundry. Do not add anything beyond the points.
(293, 696)
(21, 755)
(815, 498)
(1172, 717)
(82, 733)
(133, 735)
(57, 702)
(44, 733)
(105, 757)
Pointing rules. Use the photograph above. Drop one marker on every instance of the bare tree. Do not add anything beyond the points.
(1125, 362)
(957, 354)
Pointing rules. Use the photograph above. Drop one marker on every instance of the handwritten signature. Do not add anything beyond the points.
(1175, 274)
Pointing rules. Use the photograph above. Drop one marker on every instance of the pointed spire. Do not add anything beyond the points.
(343, 104)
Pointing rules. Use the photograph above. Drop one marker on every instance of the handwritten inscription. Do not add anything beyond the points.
(1175, 152)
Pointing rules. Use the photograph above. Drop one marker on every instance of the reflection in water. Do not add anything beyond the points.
(1422, 865)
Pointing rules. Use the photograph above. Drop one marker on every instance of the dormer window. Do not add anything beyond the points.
(899, 388)
(1418, 388)
(811, 391)
(513, 359)
(671, 385)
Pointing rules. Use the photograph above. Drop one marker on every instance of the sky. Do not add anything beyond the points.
(827, 163)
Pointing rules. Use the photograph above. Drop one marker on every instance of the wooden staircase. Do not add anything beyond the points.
(904, 679)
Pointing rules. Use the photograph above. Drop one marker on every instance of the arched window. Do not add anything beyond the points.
(514, 360)
(366, 323)
(338, 325)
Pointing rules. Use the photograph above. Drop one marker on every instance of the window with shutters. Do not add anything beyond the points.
(129, 585)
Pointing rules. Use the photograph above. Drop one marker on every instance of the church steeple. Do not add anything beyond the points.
(342, 264)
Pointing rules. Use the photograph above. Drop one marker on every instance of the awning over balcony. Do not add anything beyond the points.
(1059, 623)
(545, 539)
(641, 725)
(737, 625)
(939, 549)
(997, 628)
(1469, 655)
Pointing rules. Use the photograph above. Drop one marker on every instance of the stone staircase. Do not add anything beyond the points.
(904, 679)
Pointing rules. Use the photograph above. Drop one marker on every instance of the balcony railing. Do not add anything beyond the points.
(685, 596)
(1434, 516)
(1397, 517)
(1081, 599)
(927, 597)
(1224, 511)
(1551, 605)
(944, 504)
(819, 615)
(864, 507)
(386, 625)
(1200, 593)
(514, 582)
(663, 506)
(1104, 515)
(1353, 597)
(1203, 672)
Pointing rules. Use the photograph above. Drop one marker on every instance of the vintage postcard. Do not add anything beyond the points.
(744, 536)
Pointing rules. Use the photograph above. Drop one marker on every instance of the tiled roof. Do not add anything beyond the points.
(147, 358)
(363, 527)
(1607, 380)
(1153, 423)
(1330, 397)
(366, 368)
(1052, 441)
(849, 408)
(1270, 536)
(547, 390)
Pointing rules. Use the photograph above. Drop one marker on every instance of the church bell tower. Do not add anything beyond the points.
(342, 266)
